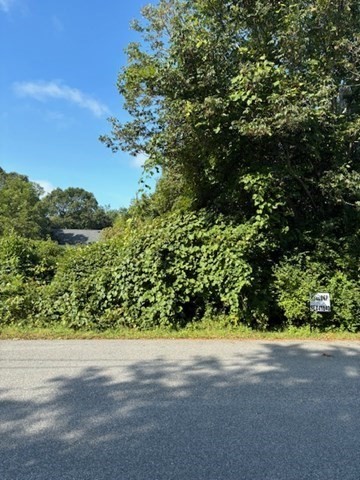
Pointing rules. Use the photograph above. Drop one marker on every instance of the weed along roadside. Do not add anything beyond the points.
(203, 330)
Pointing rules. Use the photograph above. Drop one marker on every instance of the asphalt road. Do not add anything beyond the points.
(179, 410)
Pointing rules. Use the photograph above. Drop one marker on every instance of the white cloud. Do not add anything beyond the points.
(5, 5)
(139, 160)
(45, 185)
(43, 91)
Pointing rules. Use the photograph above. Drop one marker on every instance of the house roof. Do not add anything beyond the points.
(65, 236)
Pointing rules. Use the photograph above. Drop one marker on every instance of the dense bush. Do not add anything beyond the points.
(166, 272)
(174, 270)
(25, 267)
(297, 277)
(78, 295)
(17, 299)
(182, 267)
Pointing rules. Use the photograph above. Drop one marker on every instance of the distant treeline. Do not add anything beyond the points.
(25, 210)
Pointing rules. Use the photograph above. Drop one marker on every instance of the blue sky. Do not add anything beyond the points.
(59, 64)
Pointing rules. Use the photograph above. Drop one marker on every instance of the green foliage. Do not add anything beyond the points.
(176, 270)
(25, 266)
(170, 271)
(171, 194)
(16, 255)
(220, 90)
(20, 207)
(298, 277)
(17, 299)
(75, 208)
(253, 107)
(77, 296)
(250, 111)
(173, 272)
(35, 259)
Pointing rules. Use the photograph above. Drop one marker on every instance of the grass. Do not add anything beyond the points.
(208, 329)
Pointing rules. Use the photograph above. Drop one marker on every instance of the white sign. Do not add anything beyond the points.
(320, 302)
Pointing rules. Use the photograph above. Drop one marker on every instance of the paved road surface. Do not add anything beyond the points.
(179, 410)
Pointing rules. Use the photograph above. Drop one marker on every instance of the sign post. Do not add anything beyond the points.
(319, 302)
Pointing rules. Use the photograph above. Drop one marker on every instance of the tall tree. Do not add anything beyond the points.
(254, 104)
(20, 207)
(75, 208)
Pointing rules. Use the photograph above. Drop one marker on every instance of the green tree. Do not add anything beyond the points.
(20, 207)
(251, 109)
(254, 104)
(75, 208)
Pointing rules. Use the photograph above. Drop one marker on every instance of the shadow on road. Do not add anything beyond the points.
(286, 412)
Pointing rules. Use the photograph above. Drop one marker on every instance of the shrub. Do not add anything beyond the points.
(35, 259)
(77, 295)
(301, 275)
(165, 272)
(172, 271)
(17, 299)
(25, 266)
(178, 268)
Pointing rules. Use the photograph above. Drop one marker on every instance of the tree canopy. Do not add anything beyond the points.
(75, 208)
(254, 105)
(25, 211)
(21, 211)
